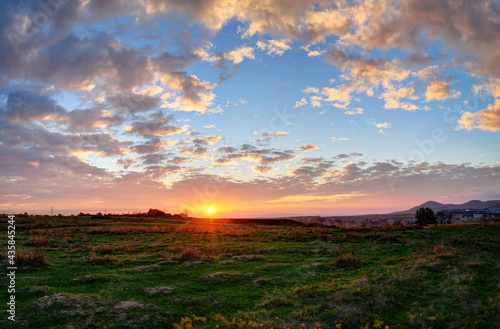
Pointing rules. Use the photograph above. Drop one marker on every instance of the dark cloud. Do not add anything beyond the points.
(133, 103)
(84, 120)
(25, 107)
(151, 146)
(156, 125)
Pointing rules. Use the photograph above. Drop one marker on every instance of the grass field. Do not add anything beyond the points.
(77, 272)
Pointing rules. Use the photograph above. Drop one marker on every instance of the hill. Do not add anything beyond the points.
(473, 204)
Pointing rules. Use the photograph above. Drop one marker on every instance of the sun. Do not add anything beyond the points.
(210, 210)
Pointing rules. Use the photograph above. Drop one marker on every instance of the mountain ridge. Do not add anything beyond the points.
(493, 205)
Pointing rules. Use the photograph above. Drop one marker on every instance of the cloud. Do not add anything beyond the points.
(439, 90)
(274, 47)
(101, 56)
(354, 111)
(307, 147)
(84, 120)
(26, 107)
(334, 139)
(338, 97)
(133, 103)
(362, 75)
(248, 152)
(262, 169)
(383, 126)
(195, 95)
(438, 87)
(319, 24)
(157, 124)
(193, 150)
(300, 103)
(167, 63)
(316, 101)
(197, 145)
(208, 140)
(392, 96)
(489, 87)
(266, 137)
(487, 119)
(316, 198)
(151, 146)
(239, 54)
(365, 74)
(311, 90)
(315, 53)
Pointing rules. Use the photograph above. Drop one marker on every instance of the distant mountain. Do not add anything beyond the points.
(473, 204)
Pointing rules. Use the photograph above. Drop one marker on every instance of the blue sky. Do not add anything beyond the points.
(250, 107)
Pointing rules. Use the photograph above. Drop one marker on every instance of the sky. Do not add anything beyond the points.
(251, 107)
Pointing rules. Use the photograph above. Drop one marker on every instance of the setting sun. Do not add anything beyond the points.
(210, 210)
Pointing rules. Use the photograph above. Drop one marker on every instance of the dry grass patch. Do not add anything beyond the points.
(443, 250)
(105, 260)
(347, 261)
(194, 253)
(38, 241)
(30, 257)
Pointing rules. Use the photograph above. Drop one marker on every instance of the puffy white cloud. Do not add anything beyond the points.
(274, 47)
(300, 103)
(239, 54)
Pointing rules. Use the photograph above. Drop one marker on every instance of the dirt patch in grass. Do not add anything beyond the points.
(219, 277)
(128, 304)
(96, 278)
(159, 290)
(65, 301)
(249, 257)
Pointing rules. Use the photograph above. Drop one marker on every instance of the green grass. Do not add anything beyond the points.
(153, 273)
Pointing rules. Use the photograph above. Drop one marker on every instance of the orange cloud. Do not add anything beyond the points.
(487, 119)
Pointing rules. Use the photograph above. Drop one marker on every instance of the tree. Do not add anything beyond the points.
(155, 213)
(425, 216)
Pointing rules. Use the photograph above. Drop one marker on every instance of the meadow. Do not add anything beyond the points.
(126, 272)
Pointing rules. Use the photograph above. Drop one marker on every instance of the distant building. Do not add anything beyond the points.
(454, 215)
